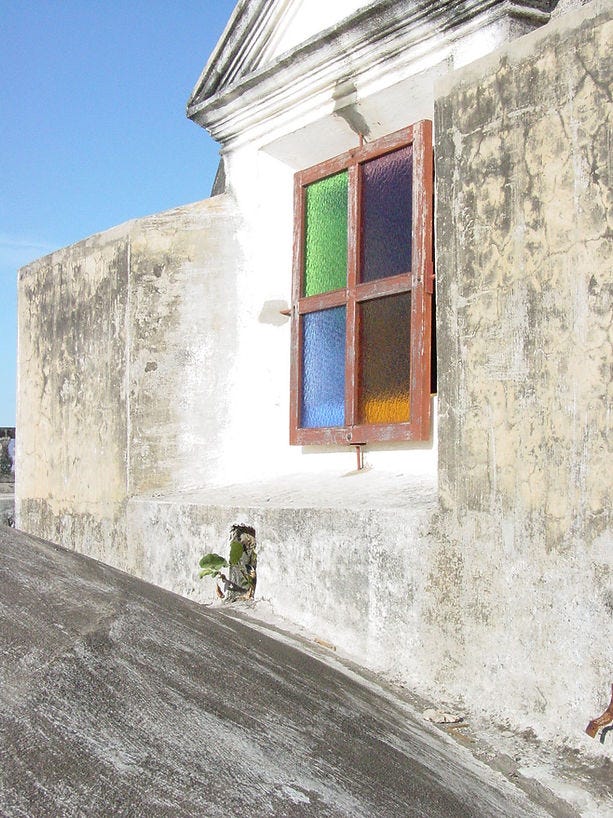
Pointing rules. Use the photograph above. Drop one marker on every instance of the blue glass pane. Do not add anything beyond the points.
(323, 368)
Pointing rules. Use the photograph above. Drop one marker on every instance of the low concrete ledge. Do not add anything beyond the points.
(353, 490)
(335, 555)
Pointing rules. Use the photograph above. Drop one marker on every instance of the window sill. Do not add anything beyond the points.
(366, 489)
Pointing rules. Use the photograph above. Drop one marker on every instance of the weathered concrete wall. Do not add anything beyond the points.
(350, 575)
(184, 323)
(7, 504)
(124, 343)
(71, 413)
(7, 459)
(523, 172)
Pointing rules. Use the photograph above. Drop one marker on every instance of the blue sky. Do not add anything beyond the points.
(92, 127)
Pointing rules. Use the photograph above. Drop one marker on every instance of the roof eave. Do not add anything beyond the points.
(383, 25)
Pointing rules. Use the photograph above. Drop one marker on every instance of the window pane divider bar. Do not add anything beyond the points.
(383, 286)
(323, 301)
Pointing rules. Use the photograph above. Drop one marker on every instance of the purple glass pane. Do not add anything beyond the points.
(323, 368)
(387, 190)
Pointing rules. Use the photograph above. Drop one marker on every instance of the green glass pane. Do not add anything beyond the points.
(325, 248)
(384, 362)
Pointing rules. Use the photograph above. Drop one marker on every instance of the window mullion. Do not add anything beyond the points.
(353, 260)
(422, 206)
(296, 334)
(422, 269)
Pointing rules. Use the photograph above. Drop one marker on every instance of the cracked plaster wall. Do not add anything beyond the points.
(523, 588)
(124, 340)
(183, 320)
(71, 413)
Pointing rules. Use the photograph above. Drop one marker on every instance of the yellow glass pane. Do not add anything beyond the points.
(391, 409)
(384, 359)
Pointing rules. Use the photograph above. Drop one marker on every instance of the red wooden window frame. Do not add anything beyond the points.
(418, 281)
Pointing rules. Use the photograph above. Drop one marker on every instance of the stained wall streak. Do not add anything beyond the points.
(183, 322)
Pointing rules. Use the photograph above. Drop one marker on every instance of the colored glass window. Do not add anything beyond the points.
(325, 243)
(387, 190)
(384, 369)
(323, 368)
(363, 294)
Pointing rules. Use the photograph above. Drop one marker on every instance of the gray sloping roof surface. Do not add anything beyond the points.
(120, 699)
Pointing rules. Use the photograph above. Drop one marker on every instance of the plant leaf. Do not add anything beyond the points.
(236, 552)
(207, 572)
(211, 565)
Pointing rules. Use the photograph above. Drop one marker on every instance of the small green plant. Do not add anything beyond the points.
(211, 565)
(241, 565)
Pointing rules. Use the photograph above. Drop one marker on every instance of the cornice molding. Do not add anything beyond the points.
(234, 95)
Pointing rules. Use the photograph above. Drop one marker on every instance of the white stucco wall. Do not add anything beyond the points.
(295, 112)
(263, 189)
(298, 20)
